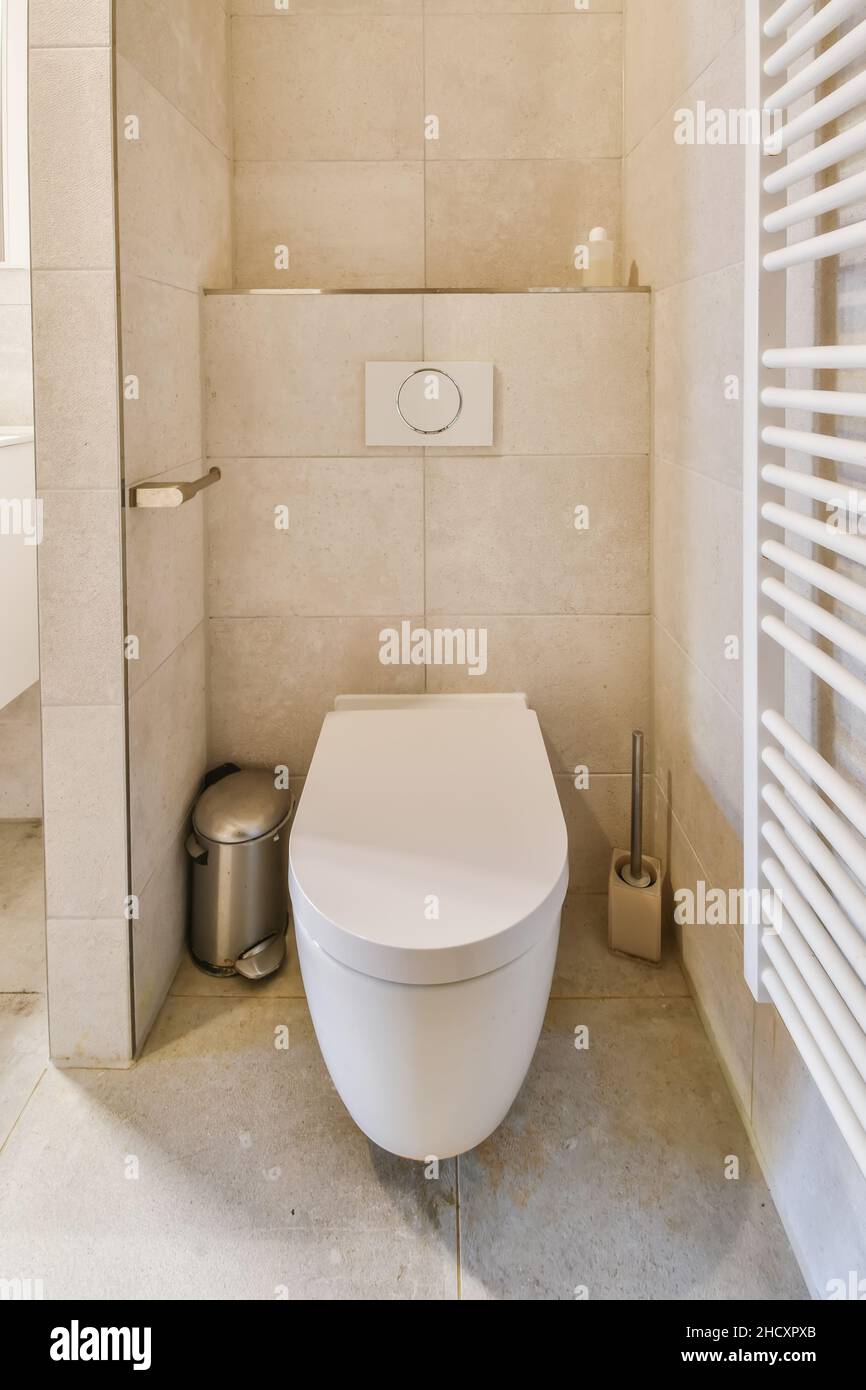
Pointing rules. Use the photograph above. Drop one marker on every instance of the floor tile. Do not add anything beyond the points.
(609, 1173)
(22, 963)
(586, 969)
(23, 1054)
(21, 891)
(22, 908)
(218, 1167)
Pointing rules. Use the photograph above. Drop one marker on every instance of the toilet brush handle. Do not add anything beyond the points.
(636, 865)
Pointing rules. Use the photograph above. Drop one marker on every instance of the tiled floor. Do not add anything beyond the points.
(23, 1022)
(224, 1165)
(22, 908)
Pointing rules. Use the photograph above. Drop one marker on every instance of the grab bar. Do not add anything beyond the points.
(170, 494)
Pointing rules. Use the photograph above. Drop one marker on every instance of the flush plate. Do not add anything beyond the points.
(437, 404)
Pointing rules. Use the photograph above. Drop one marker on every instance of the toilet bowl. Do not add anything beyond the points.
(428, 865)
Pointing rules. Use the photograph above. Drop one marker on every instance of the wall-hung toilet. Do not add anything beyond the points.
(428, 865)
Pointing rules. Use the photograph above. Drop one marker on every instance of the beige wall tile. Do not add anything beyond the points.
(175, 211)
(816, 1184)
(80, 599)
(165, 564)
(698, 344)
(668, 44)
(182, 48)
(571, 370)
(713, 960)
(677, 225)
(285, 373)
(328, 87)
(347, 224)
(167, 753)
(699, 760)
(88, 1011)
(16, 371)
(697, 569)
(273, 680)
(85, 816)
(76, 379)
(162, 429)
(71, 168)
(597, 820)
(587, 679)
(501, 535)
(354, 542)
(159, 934)
(524, 86)
(497, 223)
(58, 23)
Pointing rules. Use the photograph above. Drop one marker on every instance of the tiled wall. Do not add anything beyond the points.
(80, 580)
(481, 539)
(683, 209)
(174, 198)
(332, 102)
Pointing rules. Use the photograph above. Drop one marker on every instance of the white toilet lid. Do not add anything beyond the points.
(409, 813)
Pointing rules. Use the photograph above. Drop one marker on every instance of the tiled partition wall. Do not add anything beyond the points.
(336, 101)
(174, 199)
(482, 539)
(683, 208)
(80, 580)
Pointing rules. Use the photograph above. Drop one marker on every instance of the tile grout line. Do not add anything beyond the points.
(699, 670)
(184, 116)
(364, 453)
(434, 160)
(680, 98)
(20, 1115)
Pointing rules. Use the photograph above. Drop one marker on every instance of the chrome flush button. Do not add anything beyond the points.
(429, 401)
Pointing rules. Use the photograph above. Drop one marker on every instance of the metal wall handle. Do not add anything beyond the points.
(171, 494)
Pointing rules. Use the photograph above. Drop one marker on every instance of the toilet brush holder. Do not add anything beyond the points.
(634, 904)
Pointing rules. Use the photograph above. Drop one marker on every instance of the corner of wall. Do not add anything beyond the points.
(75, 343)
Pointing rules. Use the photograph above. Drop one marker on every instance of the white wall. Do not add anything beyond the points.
(16, 373)
(20, 774)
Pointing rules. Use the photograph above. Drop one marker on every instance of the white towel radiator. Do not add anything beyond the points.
(804, 822)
